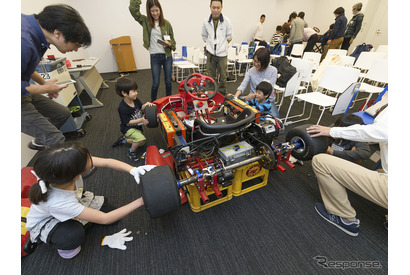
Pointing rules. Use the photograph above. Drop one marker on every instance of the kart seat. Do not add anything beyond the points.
(226, 124)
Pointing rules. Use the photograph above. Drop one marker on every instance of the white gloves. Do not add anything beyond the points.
(137, 172)
(117, 240)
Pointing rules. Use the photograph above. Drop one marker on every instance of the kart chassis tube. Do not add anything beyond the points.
(193, 179)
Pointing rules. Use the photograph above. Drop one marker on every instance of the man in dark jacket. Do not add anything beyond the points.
(63, 27)
(354, 26)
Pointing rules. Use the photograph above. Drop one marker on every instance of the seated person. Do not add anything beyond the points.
(261, 71)
(261, 101)
(277, 37)
(355, 151)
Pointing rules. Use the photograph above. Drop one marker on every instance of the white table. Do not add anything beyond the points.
(88, 79)
(248, 62)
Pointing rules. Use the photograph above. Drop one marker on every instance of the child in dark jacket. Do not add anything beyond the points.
(346, 149)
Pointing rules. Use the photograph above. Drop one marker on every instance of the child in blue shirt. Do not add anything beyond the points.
(261, 101)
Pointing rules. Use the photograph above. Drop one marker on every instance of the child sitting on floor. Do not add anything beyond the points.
(261, 101)
(132, 118)
(354, 151)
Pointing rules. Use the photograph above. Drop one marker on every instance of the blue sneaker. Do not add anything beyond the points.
(351, 228)
(119, 141)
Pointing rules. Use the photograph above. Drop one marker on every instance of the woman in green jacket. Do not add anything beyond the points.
(156, 28)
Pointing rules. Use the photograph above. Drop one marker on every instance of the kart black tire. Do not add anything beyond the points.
(160, 191)
(309, 146)
(151, 114)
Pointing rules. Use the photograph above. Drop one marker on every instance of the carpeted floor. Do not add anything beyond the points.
(272, 230)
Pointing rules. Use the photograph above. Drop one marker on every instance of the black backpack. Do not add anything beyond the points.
(285, 70)
(361, 48)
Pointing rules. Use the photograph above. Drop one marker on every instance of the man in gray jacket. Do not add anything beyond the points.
(353, 27)
(217, 33)
(296, 32)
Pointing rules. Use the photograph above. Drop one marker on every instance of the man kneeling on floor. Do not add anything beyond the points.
(335, 174)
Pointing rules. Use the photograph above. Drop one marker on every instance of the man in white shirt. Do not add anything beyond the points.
(217, 33)
(335, 174)
(258, 34)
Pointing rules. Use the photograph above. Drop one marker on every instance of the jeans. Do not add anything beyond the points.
(42, 118)
(158, 60)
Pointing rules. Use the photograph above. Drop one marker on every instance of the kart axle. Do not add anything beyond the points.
(194, 178)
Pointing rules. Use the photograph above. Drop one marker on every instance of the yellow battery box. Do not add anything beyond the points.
(195, 201)
(248, 178)
(167, 129)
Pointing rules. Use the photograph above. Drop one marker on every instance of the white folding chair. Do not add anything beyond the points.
(190, 54)
(198, 59)
(382, 49)
(345, 99)
(304, 73)
(375, 79)
(231, 68)
(314, 57)
(366, 60)
(297, 50)
(347, 61)
(292, 86)
(185, 65)
(305, 67)
(335, 79)
(336, 51)
(258, 47)
(243, 58)
(181, 67)
(291, 89)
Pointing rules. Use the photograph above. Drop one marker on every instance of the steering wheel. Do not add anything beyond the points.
(194, 85)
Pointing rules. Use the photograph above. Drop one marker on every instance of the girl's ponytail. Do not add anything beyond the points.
(36, 195)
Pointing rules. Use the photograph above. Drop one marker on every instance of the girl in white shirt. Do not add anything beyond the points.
(55, 207)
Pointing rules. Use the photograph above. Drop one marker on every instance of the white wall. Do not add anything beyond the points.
(109, 19)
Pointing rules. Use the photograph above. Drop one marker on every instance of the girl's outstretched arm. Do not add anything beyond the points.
(112, 163)
(96, 216)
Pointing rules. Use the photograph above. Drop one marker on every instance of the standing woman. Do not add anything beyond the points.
(156, 27)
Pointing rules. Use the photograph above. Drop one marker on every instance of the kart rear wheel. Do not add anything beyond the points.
(151, 114)
(160, 191)
(269, 160)
(307, 146)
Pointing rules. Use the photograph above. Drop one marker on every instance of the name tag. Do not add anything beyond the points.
(337, 147)
(167, 37)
